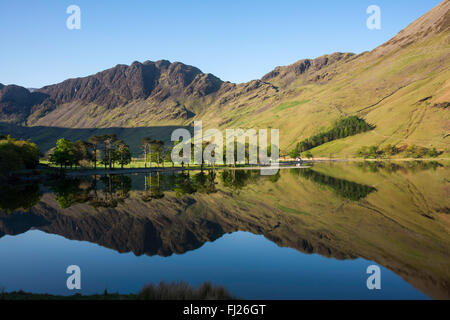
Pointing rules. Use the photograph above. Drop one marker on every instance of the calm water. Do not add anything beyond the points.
(302, 234)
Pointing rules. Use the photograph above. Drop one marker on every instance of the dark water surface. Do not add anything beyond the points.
(301, 234)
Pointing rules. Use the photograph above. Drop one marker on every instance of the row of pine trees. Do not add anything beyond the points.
(343, 128)
(106, 149)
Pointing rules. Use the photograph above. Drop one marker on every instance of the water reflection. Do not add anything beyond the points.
(344, 188)
(98, 191)
(19, 196)
(394, 214)
(392, 167)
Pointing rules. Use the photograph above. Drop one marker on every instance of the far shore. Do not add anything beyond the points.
(320, 159)
(75, 172)
(284, 164)
(44, 171)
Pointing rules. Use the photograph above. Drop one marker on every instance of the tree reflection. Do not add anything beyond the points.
(21, 196)
(344, 188)
(392, 167)
(237, 179)
(205, 183)
(104, 191)
(71, 191)
(183, 184)
(152, 187)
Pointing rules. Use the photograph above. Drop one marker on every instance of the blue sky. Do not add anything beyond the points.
(236, 40)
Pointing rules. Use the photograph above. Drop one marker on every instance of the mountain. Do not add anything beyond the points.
(401, 87)
(160, 89)
(16, 102)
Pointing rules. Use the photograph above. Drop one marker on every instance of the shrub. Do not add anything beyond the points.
(433, 153)
(309, 155)
(389, 150)
(294, 153)
(17, 155)
(183, 291)
(414, 151)
(411, 151)
(369, 152)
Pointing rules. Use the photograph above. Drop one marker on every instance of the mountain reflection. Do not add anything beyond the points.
(394, 214)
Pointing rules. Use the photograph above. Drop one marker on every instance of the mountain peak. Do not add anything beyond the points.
(16, 102)
(433, 22)
(122, 83)
(306, 66)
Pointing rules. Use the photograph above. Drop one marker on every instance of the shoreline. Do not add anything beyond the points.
(283, 165)
(48, 172)
(324, 159)
(175, 169)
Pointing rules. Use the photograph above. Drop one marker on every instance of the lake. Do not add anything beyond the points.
(301, 234)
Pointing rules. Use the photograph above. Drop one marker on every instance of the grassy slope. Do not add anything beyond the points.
(408, 74)
(401, 118)
(46, 137)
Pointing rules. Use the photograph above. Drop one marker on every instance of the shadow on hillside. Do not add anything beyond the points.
(46, 137)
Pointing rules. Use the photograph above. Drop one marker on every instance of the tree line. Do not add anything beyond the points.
(109, 190)
(387, 151)
(342, 128)
(106, 149)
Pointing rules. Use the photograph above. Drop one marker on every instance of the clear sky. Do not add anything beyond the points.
(236, 40)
